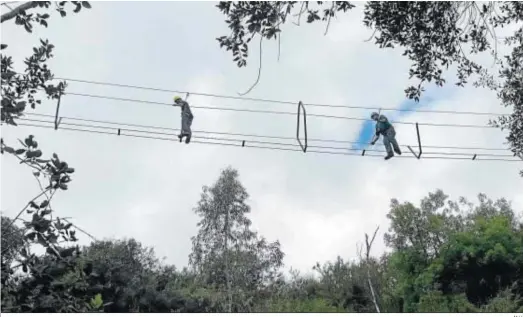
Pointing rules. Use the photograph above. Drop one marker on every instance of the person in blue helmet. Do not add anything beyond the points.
(384, 128)
(187, 118)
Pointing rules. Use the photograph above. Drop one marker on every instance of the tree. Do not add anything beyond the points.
(344, 285)
(453, 256)
(433, 35)
(12, 241)
(37, 292)
(226, 253)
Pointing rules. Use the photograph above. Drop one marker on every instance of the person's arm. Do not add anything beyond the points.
(375, 137)
(186, 109)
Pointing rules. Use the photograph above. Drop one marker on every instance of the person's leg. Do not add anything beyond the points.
(391, 135)
(388, 148)
(180, 136)
(183, 131)
(188, 130)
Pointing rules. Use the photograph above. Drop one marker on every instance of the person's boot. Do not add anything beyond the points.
(398, 151)
(180, 137)
(389, 155)
(187, 139)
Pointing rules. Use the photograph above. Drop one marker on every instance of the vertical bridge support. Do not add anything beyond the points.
(300, 109)
(419, 144)
(56, 119)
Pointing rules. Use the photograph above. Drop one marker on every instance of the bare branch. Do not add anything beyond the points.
(259, 70)
(369, 246)
(372, 240)
(80, 229)
(279, 46)
(13, 13)
(8, 6)
(372, 36)
(331, 13)
(300, 13)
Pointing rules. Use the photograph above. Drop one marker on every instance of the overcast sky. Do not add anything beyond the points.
(318, 206)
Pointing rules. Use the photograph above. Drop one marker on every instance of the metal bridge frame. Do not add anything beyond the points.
(301, 108)
(418, 156)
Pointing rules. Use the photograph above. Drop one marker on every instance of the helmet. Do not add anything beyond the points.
(176, 98)
(374, 115)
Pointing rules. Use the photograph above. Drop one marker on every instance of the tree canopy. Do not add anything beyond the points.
(443, 256)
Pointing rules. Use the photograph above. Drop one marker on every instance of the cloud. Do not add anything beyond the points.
(318, 206)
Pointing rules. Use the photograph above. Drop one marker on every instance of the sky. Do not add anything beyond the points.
(318, 206)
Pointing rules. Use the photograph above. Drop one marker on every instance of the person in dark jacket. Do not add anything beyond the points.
(384, 128)
(187, 118)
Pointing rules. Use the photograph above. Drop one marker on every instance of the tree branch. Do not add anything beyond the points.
(367, 255)
(279, 46)
(13, 13)
(28, 204)
(80, 229)
(372, 36)
(299, 14)
(259, 70)
(331, 13)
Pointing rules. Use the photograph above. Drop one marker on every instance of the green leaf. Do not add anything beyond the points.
(31, 154)
(44, 204)
(44, 23)
(21, 105)
(31, 236)
(34, 205)
(86, 4)
(96, 301)
(41, 240)
(62, 13)
(20, 151)
(45, 16)
(9, 150)
(51, 251)
(53, 239)
(63, 186)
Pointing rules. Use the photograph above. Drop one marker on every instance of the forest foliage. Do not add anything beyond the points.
(442, 256)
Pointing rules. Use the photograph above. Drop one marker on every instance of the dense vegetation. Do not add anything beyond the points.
(443, 256)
